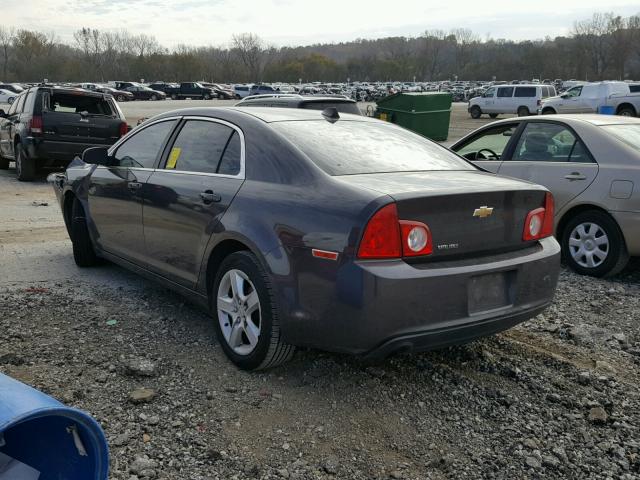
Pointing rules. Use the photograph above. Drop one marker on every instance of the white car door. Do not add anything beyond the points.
(504, 100)
(570, 100)
(487, 100)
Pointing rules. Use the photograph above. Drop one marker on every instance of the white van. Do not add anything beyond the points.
(521, 99)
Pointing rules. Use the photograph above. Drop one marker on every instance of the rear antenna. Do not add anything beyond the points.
(330, 114)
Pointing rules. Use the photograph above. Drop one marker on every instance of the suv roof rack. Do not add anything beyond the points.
(273, 95)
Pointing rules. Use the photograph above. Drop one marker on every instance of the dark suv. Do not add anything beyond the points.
(49, 126)
(341, 103)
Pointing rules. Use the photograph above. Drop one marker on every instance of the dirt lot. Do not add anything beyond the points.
(556, 397)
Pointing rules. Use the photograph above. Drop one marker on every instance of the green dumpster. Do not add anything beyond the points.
(425, 113)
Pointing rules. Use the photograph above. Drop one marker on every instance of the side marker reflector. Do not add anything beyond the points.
(324, 254)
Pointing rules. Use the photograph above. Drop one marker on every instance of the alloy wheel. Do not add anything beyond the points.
(589, 245)
(239, 313)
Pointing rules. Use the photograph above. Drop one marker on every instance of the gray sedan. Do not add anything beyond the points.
(591, 164)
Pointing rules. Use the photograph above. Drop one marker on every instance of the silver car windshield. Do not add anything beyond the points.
(352, 148)
(629, 134)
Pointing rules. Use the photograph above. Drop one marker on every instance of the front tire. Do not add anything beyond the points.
(475, 112)
(592, 244)
(83, 251)
(120, 98)
(627, 112)
(25, 166)
(548, 111)
(493, 115)
(246, 316)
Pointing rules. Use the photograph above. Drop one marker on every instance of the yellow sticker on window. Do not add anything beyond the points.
(173, 157)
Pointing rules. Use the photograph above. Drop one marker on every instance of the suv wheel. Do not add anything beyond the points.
(493, 115)
(592, 244)
(523, 112)
(207, 96)
(25, 166)
(174, 96)
(83, 252)
(475, 112)
(120, 98)
(246, 316)
(548, 111)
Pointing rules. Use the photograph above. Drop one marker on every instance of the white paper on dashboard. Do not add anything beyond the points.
(12, 469)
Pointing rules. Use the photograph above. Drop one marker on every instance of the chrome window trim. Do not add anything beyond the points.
(240, 175)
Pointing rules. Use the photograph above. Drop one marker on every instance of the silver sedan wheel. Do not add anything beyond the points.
(239, 312)
(589, 245)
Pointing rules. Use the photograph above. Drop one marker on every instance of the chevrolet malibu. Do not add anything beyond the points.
(316, 229)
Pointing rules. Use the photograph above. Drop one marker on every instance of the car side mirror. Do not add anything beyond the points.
(97, 156)
(564, 95)
(3, 114)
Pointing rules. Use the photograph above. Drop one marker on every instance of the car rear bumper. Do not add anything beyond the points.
(375, 308)
(60, 152)
(629, 223)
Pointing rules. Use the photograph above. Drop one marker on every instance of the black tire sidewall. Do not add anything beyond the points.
(83, 251)
(525, 110)
(617, 247)
(25, 167)
(247, 263)
(475, 112)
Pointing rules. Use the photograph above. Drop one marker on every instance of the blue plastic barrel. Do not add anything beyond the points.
(606, 110)
(40, 434)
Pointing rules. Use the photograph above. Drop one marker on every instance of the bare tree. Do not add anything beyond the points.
(6, 40)
(431, 52)
(464, 40)
(593, 38)
(251, 51)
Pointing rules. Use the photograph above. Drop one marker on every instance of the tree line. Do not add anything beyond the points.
(606, 46)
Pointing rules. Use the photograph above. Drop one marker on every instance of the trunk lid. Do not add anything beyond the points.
(468, 212)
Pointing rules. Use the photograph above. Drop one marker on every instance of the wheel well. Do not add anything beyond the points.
(626, 105)
(220, 252)
(569, 214)
(523, 106)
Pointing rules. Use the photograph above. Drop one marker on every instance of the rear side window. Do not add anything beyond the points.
(142, 149)
(73, 103)
(634, 88)
(549, 142)
(525, 92)
(354, 147)
(201, 147)
(342, 107)
(505, 92)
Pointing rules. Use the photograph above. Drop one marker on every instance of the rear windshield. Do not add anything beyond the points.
(342, 107)
(351, 148)
(74, 103)
(629, 134)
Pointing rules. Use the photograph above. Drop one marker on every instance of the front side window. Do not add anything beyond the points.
(505, 92)
(201, 146)
(549, 142)
(574, 92)
(490, 93)
(142, 149)
(354, 147)
(490, 144)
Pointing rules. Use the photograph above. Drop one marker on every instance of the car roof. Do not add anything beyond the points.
(591, 118)
(266, 114)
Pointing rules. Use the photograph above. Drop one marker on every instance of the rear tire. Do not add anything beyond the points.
(207, 97)
(475, 112)
(627, 112)
(493, 115)
(523, 112)
(592, 244)
(25, 166)
(174, 96)
(4, 163)
(248, 324)
(83, 252)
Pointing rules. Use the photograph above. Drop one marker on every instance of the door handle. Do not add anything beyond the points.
(575, 176)
(134, 186)
(208, 196)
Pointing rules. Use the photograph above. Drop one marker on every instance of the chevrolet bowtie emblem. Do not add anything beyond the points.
(483, 212)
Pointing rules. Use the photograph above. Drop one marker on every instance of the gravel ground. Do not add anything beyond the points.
(556, 397)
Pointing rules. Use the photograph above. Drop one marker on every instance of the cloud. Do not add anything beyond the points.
(294, 22)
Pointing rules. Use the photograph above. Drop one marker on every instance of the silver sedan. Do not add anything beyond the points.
(591, 163)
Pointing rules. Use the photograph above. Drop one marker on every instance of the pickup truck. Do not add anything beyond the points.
(190, 90)
(622, 97)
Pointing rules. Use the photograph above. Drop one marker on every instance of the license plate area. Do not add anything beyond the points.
(491, 291)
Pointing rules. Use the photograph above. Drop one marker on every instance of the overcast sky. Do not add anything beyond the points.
(293, 22)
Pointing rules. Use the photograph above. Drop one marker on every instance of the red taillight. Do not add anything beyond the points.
(388, 237)
(416, 239)
(381, 238)
(35, 125)
(539, 222)
(124, 129)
